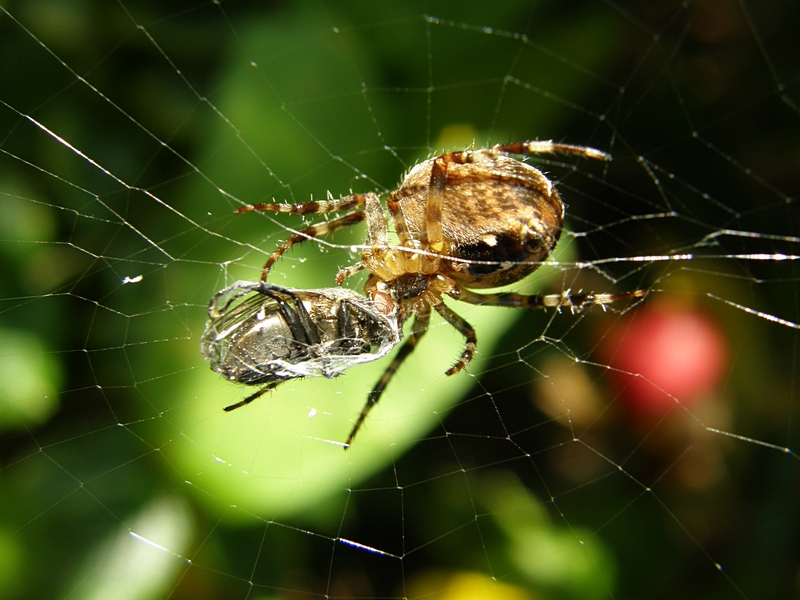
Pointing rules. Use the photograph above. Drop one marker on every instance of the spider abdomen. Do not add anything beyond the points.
(502, 216)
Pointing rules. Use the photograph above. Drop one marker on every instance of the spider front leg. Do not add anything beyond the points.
(314, 231)
(377, 237)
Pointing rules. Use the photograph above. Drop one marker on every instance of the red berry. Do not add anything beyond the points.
(663, 353)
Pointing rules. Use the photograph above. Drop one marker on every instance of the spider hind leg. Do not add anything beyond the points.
(575, 302)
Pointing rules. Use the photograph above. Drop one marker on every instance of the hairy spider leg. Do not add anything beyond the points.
(419, 328)
(252, 397)
(546, 147)
(377, 235)
(318, 230)
(573, 301)
(464, 329)
(422, 319)
(314, 207)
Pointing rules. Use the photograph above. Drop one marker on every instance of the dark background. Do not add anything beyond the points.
(168, 127)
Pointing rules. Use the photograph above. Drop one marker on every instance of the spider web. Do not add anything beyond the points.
(130, 132)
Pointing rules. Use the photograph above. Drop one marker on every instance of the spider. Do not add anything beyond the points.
(466, 220)
(262, 334)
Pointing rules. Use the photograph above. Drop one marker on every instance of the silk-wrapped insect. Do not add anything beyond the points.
(263, 334)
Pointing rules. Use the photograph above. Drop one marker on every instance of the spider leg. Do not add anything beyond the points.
(349, 272)
(377, 235)
(321, 229)
(433, 209)
(252, 397)
(436, 190)
(575, 302)
(419, 329)
(312, 232)
(315, 207)
(377, 231)
(465, 329)
(546, 147)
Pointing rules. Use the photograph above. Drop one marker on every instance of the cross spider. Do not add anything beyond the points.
(465, 220)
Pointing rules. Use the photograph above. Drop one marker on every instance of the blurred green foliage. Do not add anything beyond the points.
(131, 131)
